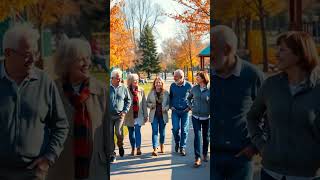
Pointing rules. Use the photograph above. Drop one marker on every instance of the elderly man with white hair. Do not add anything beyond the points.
(179, 91)
(120, 105)
(235, 86)
(33, 122)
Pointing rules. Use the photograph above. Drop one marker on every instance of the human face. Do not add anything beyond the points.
(199, 79)
(80, 68)
(220, 54)
(177, 78)
(116, 80)
(135, 83)
(286, 58)
(158, 84)
(22, 59)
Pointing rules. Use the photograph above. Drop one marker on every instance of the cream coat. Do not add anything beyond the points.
(151, 101)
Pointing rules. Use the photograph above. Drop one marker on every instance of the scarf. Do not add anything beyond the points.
(82, 130)
(159, 99)
(135, 102)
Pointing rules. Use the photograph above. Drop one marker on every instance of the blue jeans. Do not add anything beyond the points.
(158, 127)
(180, 118)
(197, 125)
(228, 167)
(135, 136)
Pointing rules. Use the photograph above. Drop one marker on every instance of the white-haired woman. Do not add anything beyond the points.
(158, 102)
(137, 115)
(85, 101)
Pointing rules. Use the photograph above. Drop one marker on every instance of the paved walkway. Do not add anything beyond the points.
(168, 166)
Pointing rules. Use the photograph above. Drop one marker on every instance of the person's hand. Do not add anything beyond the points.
(187, 109)
(41, 166)
(122, 115)
(248, 152)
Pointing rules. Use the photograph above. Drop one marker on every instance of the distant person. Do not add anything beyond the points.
(158, 102)
(179, 91)
(289, 143)
(199, 102)
(137, 115)
(235, 86)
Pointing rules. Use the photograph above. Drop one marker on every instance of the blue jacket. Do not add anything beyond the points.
(232, 98)
(179, 94)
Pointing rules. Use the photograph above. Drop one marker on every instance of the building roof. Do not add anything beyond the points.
(205, 52)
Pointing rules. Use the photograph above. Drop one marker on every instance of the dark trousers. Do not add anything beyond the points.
(225, 166)
(21, 174)
(197, 126)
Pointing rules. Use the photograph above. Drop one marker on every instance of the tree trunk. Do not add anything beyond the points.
(264, 44)
(247, 29)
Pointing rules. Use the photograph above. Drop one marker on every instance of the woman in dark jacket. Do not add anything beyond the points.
(289, 101)
(199, 103)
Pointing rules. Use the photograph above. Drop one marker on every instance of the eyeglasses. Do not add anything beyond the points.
(28, 55)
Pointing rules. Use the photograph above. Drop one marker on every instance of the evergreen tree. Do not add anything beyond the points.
(149, 62)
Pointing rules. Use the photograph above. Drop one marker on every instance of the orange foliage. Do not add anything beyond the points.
(196, 16)
(121, 46)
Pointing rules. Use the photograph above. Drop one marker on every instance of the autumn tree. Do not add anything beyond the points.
(196, 16)
(187, 53)
(9, 8)
(44, 13)
(121, 46)
(150, 62)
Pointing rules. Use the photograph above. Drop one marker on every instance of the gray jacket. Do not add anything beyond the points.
(289, 141)
(199, 101)
(33, 120)
(120, 99)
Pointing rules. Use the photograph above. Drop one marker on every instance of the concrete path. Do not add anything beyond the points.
(166, 166)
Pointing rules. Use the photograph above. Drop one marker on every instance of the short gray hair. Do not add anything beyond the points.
(180, 72)
(226, 35)
(131, 78)
(17, 32)
(116, 72)
(67, 53)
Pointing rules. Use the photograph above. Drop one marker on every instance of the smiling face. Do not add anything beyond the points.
(22, 58)
(286, 58)
(80, 67)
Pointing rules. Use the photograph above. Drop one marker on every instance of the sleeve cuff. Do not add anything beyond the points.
(51, 157)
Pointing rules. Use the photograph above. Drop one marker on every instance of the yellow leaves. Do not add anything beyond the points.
(46, 12)
(196, 16)
(121, 46)
(11, 7)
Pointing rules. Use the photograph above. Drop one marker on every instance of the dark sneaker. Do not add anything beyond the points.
(177, 147)
(121, 151)
(205, 158)
(113, 159)
(182, 152)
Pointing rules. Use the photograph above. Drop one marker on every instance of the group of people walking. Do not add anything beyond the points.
(130, 104)
(60, 129)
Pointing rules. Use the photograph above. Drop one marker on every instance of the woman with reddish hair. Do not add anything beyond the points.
(289, 102)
